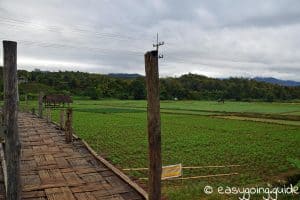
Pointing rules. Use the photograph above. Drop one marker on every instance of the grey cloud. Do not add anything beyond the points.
(217, 38)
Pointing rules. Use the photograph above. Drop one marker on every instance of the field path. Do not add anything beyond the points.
(54, 170)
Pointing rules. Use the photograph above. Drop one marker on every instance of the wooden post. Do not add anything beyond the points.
(41, 104)
(26, 103)
(2, 125)
(49, 115)
(2, 110)
(62, 119)
(33, 111)
(68, 126)
(154, 132)
(12, 142)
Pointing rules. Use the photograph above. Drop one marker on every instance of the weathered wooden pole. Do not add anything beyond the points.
(26, 103)
(41, 104)
(49, 115)
(18, 97)
(2, 108)
(12, 142)
(62, 119)
(154, 132)
(68, 126)
(33, 111)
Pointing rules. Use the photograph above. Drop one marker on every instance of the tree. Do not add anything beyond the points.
(137, 88)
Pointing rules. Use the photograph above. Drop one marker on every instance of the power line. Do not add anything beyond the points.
(120, 54)
(16, 23)
(80, 33)
(16, 27)
(51, 28)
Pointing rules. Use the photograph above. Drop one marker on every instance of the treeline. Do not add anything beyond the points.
(189, 86)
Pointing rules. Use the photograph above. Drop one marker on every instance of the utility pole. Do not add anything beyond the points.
(153, 118)
(154, 131)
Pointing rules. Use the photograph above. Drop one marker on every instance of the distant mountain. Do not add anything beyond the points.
(124, 75)
(277, 81)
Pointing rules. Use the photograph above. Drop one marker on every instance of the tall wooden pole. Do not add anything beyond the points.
(12, 142)
(154, 132)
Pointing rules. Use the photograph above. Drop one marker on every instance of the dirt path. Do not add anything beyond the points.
(52, 169)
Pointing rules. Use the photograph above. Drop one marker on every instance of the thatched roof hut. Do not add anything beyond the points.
(56, 100)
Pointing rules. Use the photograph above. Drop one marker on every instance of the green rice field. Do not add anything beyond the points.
(196, 133)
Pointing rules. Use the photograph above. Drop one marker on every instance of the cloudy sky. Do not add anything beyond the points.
(217, 38)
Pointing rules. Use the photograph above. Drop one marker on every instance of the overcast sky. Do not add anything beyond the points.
(217, 38)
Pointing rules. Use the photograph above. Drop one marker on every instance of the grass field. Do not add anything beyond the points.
(208, 106)
(194, 134)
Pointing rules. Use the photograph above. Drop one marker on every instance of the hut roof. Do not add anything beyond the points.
(57, 98)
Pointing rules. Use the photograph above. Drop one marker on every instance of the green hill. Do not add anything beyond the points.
(188, 86)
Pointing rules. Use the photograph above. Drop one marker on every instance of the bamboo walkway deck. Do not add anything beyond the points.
(54, 170)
